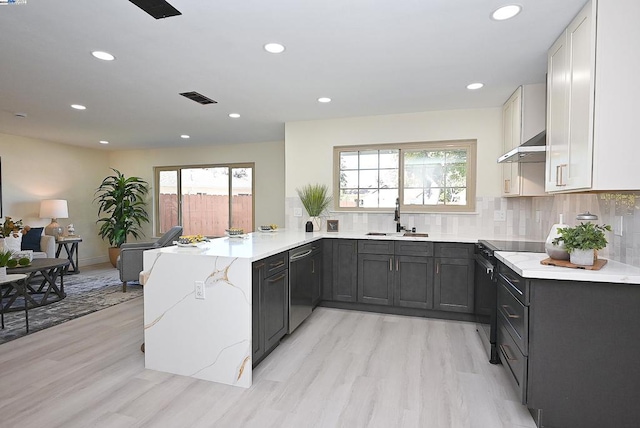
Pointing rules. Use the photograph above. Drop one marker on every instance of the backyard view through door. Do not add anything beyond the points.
(205, 200)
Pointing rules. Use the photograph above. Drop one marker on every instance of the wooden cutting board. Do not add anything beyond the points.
(565, 263)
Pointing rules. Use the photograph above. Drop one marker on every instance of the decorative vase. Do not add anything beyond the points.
(583, 257)
(556, 251)
(3, 273)
(317, 223)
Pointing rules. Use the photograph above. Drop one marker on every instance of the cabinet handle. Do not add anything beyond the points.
(560, 176)
(275, 265)
(509, 312)
(260, 266)
(397, 265)
(277, 278)
(313, 266)
(390, 264)
(437, 268)
(507, 186)
(509, 353)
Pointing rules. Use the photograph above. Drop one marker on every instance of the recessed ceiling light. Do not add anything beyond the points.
(104, 142)
(324, 100)
(78, 107)
(474, 86)
(234, 115)
(105, 56)
(185, 136)
(506, 12)
(274, 48)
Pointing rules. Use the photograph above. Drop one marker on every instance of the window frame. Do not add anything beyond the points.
(178, 168)
(469, 145)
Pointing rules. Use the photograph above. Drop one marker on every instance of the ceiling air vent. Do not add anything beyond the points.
(199, 98)
(157, 8)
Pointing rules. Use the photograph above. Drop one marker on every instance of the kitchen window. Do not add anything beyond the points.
(426, 177)
(205, 199)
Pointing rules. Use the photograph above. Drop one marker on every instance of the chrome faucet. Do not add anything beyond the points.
(396, 216)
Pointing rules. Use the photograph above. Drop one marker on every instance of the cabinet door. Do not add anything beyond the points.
(580, 144)
(327, 269)
(375, 278)
(275, 313)
(257, 334)
(316, 278)
(570, 106)
(413, 282)
(453, 285)
(557, 114)
(345, 270)
(512, 136)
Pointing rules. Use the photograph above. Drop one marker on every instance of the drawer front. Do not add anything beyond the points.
(454, 250)
(514, 362)
(514, 316)
(275, 264)
(514, 282)
(413, 248)
(372, 246)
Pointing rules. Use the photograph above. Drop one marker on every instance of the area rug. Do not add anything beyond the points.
(85, 294)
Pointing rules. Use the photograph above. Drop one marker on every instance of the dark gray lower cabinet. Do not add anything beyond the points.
(387, 276)
(375, 279)
(270, 288)
(316, 273)
(572, 349)
(413, 282)
(345, 270)
(454, 277)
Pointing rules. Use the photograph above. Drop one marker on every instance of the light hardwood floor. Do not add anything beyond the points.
(339, 369)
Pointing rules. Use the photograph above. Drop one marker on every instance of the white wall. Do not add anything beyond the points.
(269, 170)
(33, 170)
(309, 145)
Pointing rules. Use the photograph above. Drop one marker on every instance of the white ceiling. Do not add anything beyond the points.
(371, 57)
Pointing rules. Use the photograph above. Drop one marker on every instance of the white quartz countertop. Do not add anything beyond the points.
(528, 265)
(258, 245)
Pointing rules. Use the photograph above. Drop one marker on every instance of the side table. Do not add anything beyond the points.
(70, 245)
(15, 281)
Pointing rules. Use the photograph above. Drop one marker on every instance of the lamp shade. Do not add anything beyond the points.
(54, 208)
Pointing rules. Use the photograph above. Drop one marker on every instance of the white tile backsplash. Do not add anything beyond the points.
(527, 218)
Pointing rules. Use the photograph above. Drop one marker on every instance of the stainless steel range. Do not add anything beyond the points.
(486, 288)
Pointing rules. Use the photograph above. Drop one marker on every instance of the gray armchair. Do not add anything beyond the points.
(130, 258)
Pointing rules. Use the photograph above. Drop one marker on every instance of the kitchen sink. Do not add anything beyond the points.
(407, 234)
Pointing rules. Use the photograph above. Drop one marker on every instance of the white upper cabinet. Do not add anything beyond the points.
(523, 117)
(591, 92)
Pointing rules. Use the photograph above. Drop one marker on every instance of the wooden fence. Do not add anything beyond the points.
(206, 214)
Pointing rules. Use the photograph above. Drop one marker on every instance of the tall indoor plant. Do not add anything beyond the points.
(121, 208)
(316, 200)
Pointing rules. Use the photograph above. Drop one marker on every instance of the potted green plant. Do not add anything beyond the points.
(583, 241)
(5, 256)
(316, 200)
(121, 208)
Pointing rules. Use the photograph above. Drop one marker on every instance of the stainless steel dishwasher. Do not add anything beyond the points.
(300, 285)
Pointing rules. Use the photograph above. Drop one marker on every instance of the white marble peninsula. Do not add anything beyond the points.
(206, 338)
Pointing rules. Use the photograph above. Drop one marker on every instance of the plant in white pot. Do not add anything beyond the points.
(583, 241)
(5, 256)
(316, 200)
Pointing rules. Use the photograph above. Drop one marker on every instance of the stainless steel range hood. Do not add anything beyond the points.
(533, 150)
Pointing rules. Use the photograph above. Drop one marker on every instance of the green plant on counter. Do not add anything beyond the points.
(585, 236)
(315, 198)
